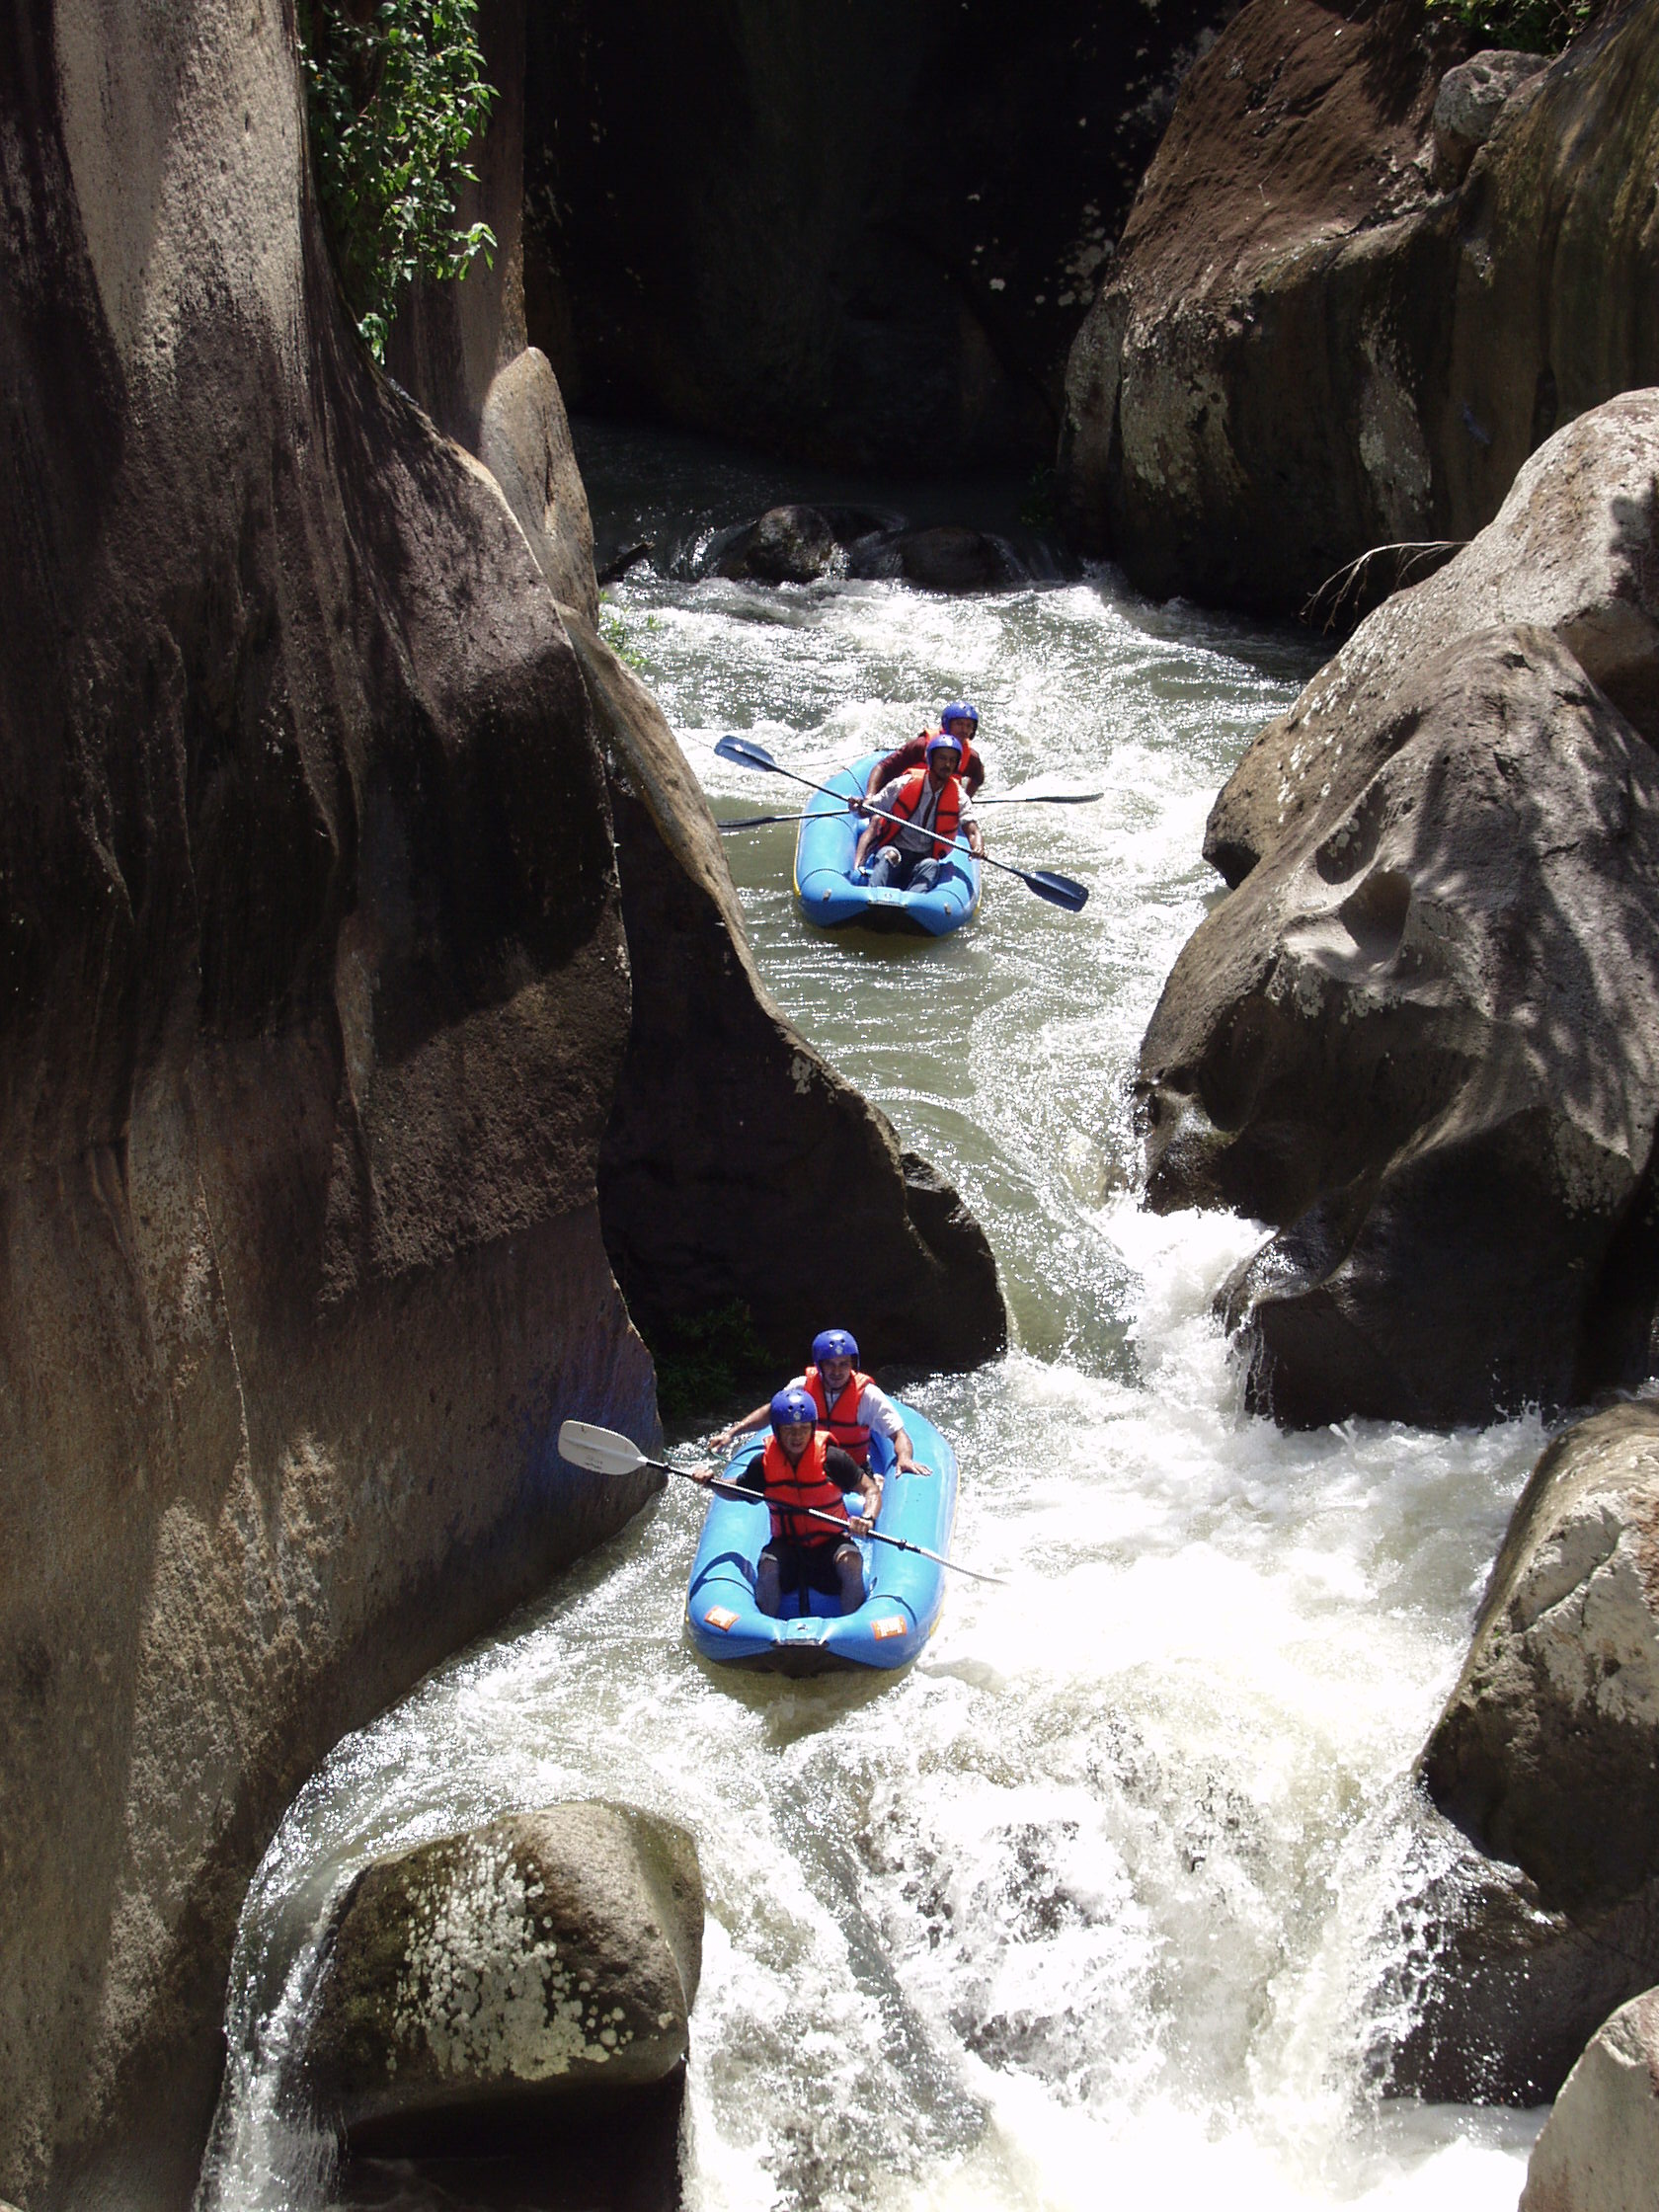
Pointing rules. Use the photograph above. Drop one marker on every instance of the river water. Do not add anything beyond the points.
(1100, 1902)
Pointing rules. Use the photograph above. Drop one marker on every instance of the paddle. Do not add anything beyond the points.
(1013, 799)
(1059, 891)
(603, 1452)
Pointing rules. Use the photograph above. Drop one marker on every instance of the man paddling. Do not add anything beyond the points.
(800, 1474)
(849, 1405)
(914, 833)
(960, 720)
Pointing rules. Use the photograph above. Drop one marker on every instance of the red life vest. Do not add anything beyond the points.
(908, 799)
(791, 1489)
(842, 1418)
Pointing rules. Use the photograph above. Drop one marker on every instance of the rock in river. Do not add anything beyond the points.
(1416, 1039)
(540, 1968)
(1600, 2148)
(1547, 1752)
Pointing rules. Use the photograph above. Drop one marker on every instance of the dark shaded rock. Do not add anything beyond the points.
(950, 557)
(536, 1969)
(1467, 107)
(787, 545)
(1547, 1752)
(737, 1163)
(313, 998)
(1598, 2151)
(1304, 353)
(864, 235)
(1493, 1995)
(617, 567)
(1411, 1038)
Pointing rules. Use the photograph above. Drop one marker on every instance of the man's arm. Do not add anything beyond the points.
(884, 798)
(911, 755)
(877, 1412)
(968, 822)
(845, 1472)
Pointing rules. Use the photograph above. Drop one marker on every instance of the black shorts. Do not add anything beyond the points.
(809, 1566)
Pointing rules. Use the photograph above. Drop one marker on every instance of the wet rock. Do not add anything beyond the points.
(731, 1137)
(1304, 353)
(1470, 103)
(950, 557)
(523, 1970)
(1492, 1994)
(787, 545)
(1547, 1752)
(1600, 2148)
(1410, 1039)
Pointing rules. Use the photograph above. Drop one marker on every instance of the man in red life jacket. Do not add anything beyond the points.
(850, 1407)
(802, 1474)
(960, 720)
(912, 835)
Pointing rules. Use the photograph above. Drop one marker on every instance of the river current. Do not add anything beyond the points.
(1099, 1902)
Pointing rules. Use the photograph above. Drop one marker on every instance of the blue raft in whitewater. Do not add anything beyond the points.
(903, 1593)
(829, 892)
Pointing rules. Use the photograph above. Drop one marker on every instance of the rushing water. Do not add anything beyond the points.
(1099, 1902)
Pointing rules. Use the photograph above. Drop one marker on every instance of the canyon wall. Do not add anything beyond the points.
(1356, 290)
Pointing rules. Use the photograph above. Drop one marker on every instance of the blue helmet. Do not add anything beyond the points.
(943, 742)
(792, 1406)
(833, 1344)
(960, 710)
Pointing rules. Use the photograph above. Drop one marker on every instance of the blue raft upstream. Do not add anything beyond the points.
(830, 895)
(904, 1594)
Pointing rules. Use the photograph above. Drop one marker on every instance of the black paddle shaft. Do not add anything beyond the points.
(1058, 890)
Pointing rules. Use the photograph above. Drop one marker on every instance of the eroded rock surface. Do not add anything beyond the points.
(1600, 2148)
(536, 1967)
(1547, 1752)
(1413, 1039)
(1305, 348)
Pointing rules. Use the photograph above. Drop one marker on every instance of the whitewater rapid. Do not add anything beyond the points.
(1099, 1901)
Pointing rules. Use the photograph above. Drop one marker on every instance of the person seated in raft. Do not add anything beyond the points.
(960, 720)
(850, 1407)
(802, 1474)
(931, 806)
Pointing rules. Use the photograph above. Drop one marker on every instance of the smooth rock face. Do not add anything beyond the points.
(737, 1163)
(1412, 1040)
(1600, 2148)
(528, 1967)
(1304, 350)
(1547, 1752)
(864, 235)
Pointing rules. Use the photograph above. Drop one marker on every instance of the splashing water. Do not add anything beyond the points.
(1096, 1901)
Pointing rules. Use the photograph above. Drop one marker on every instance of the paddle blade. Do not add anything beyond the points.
(599, 1451)
(745, 752)
(1043, 798)
(1059, 891)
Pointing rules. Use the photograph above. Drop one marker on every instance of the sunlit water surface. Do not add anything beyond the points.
(1099, 1902)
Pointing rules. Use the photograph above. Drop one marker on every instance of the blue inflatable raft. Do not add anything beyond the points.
(903, 1593)
(832, 896)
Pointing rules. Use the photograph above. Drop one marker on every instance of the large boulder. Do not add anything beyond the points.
(1547, 1752)
(787, 545)
(1304, 350)
(537, 1971)
(1598, 2151)
(865, 235)
(1414, 1039)
(737, 1165)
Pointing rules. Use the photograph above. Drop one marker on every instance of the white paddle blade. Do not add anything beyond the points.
(599, 1451)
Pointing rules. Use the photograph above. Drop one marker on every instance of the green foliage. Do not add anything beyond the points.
(703, 1358)
(1530, 26)
(614, 631)
(396, 96)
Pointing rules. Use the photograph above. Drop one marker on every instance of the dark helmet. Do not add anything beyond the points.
(792, 1406)
(960, 710)
(943, 742)
(833, 1344)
